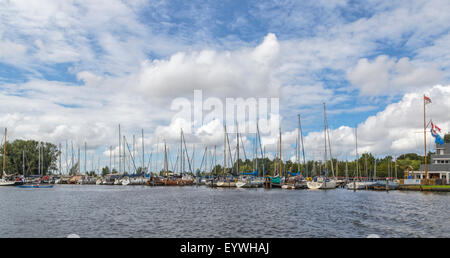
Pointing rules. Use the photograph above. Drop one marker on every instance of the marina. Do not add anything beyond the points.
(225, 119)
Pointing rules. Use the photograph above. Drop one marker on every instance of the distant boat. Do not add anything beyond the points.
(35, 186)
(386, 185)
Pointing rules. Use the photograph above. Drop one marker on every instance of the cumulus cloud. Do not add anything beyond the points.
(245, 72)
(384, 76)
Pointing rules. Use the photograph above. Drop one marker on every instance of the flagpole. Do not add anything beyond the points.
(425, 139)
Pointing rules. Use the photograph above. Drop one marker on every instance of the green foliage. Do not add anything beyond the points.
(447, 138)
(74, 169)
(14, 157)
(105, 171)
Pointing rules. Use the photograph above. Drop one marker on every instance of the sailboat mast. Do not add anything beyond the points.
(280, 161)
(365, 165)
(165, 162)
(85, 157)
(329, 141)
(325, 139)
(60, 153)
(303, 148)
(120, 152)
(237, 149)
(4, 156)
(67, 157)
(124, 157)
(224, 149)
(143, 152)
(110, 158)
(23, 161)
(73, 158)
(215, 164)
(425, 139)
(263, 156)
(375, 169)
(346, 170)
(39, 158)
(256, 154)
(181, 152)
(357, 156)
(79, 165)
(297, 146)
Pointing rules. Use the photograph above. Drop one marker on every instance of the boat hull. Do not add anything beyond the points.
(356, 186)
(321, 185)
(225, 184)
(7, 183)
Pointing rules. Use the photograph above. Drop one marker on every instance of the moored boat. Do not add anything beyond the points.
(356, 185)
(35, 186)
(4, 182)
(321, 183)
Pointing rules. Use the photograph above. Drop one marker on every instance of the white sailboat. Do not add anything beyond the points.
(356, 184)
(323, 182)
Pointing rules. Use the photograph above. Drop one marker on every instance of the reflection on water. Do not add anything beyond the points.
(140, 211)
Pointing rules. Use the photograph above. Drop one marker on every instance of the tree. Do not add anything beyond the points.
(105, 171)
(447, 138)
(30, 149)
(74, 169)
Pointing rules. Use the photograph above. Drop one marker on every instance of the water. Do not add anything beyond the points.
(141, 211)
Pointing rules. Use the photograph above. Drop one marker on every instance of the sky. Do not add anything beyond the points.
(71, 71)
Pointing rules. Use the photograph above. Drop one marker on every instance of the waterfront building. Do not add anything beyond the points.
(439, 167)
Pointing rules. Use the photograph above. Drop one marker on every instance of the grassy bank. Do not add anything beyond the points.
(437, 188)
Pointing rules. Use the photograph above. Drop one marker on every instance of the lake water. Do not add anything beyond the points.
(141, 211)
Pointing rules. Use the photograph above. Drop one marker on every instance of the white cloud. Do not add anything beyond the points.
(244, 72)
(385, 76)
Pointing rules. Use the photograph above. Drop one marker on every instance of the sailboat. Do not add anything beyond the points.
(356, 184)
(226, 182)
(3, 180)
(323, 182)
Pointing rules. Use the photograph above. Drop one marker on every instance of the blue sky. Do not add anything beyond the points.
(93, 64)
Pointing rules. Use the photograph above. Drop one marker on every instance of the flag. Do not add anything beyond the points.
(437, 128)
(433, 127)
(426, 99)
(437, 138)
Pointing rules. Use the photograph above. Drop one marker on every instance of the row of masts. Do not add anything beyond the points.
(127, 156)
(184, 162)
